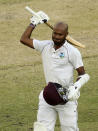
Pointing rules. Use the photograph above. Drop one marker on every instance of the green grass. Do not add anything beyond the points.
(21, 71)
(12, 1)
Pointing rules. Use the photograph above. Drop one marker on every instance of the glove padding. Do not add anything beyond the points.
(73, 93)
(40, 18)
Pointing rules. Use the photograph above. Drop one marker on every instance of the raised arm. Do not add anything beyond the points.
(40, 18)
(25, 38)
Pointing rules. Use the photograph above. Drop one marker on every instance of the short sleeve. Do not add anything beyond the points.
(76, 58)
(39, 45)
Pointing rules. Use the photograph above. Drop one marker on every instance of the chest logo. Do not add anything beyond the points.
(62, 55)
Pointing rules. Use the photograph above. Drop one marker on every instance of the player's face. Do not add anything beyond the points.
(59, 35)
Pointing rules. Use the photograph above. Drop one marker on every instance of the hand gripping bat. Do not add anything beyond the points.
(68, 38)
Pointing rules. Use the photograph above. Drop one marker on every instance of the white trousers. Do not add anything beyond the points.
(47, 115)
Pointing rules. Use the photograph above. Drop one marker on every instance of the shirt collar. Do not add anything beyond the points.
(53, 50)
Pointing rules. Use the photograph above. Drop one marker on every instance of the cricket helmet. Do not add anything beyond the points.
(51, 94)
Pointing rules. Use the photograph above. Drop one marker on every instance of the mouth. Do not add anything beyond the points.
(56, 40)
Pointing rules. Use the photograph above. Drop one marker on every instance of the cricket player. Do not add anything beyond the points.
(60, 95)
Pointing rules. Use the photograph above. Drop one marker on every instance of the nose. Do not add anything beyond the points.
(56, 36)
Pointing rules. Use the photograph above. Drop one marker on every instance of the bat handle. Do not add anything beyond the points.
(34, 13)
(49, 25)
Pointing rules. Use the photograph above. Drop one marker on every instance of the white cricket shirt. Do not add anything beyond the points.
(58, 64)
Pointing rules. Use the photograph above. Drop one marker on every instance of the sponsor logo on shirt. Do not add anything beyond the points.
(62, 55)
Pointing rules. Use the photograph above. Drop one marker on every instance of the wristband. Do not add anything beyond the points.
(33, 26)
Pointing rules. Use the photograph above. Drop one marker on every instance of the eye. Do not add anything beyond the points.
(54, 33)
(60, 34)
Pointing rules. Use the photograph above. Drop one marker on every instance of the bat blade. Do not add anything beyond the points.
(74, 42)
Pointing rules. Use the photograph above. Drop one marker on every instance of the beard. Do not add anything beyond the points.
(58, 42)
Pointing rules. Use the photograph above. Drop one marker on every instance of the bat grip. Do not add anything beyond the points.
(49, 25)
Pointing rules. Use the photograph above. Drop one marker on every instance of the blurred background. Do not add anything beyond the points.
(21, 71)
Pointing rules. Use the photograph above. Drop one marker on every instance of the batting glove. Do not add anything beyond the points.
(73, 93)
(43, 16)
(40, 18)
(35, 20)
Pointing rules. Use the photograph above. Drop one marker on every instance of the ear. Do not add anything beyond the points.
(66, 34)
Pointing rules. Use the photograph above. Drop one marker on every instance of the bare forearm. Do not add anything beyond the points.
(80, 71)
(28, 32)
(25, 38)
